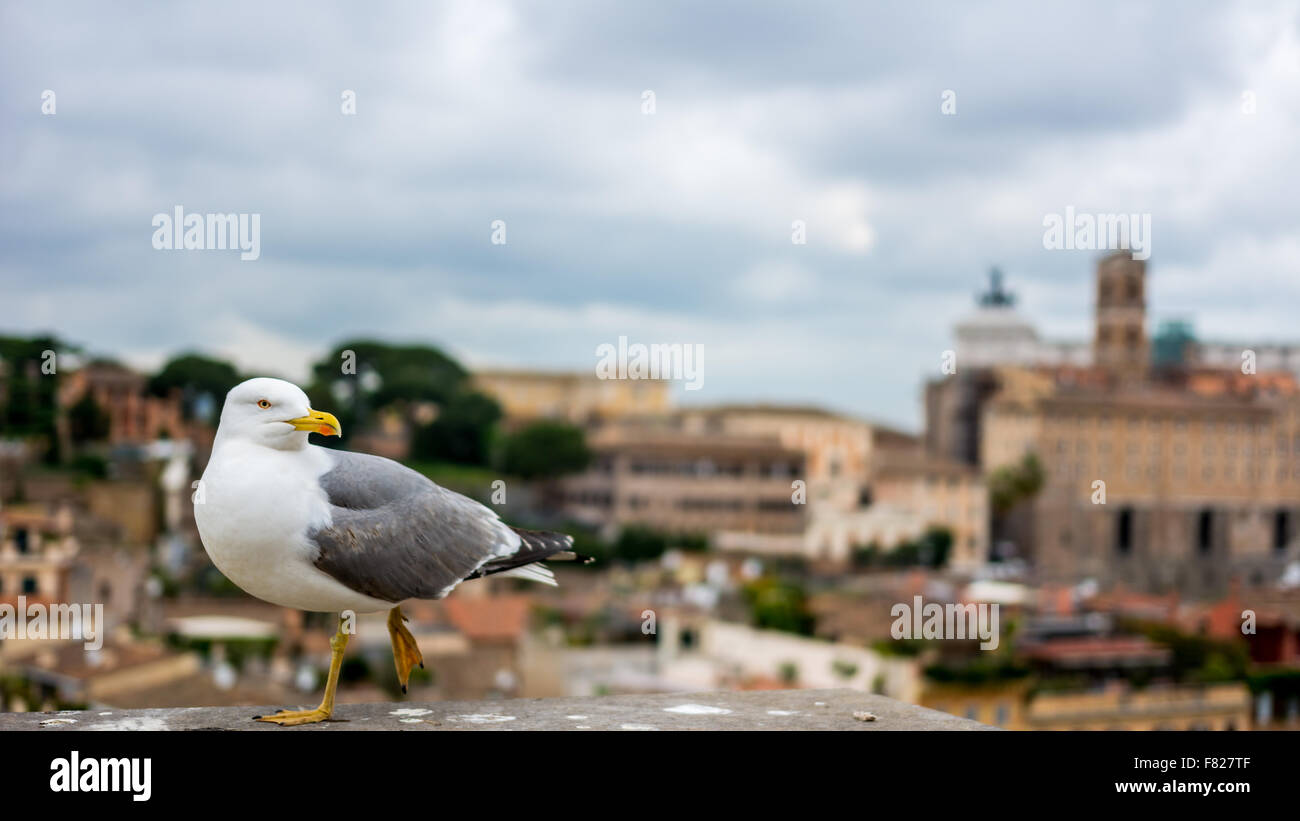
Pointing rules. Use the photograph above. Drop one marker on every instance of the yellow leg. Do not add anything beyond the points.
(406, 653)
(288, 718)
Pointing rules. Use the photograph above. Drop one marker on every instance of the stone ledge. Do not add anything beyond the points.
(715, 710)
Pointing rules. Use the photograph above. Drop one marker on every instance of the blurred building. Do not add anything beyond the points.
(1119, 344)
(1198, 489)
(496, 634)
(700, 653)
(997, 334)
(65, 555)
(837, 449)
(1074, 664)
(117, 673)
(575, 397)
(134, 417)
(1117, 706)
(388, 435)
(1200, 466)
(37, 549)
(940, 492)
(685, 482)
(775, 480)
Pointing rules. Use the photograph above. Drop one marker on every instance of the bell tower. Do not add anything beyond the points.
(1120, 343)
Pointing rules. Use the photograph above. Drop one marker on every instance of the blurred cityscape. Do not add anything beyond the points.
(1130, 502)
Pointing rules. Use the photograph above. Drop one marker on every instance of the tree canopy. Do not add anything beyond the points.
(544, 450)
(202, 380)
(28, 403)
(1011, 484)
(462, 432)
(360, 376)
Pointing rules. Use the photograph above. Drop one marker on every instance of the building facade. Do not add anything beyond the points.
(775, 480)
(1197, 491)
(1181, 478)
(683, 482)
(573, 397)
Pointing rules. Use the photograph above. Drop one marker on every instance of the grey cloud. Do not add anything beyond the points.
(470, 112)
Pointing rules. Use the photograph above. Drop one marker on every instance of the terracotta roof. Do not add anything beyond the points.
(1222, 619)
(1057, 600)
(489, 618)
(1089, 649)
(1125, 601)
(762, 683)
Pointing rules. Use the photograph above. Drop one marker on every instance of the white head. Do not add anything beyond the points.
(273, 413)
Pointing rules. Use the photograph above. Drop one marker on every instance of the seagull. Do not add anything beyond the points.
(326, 530)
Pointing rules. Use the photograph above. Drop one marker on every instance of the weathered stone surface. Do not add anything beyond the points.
(761, 710)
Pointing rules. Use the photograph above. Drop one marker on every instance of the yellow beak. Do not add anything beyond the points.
(318, 422)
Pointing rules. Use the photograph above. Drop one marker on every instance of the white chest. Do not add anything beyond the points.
(254, 509)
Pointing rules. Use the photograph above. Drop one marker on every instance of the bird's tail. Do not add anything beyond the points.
(554, 547)
(542, 543)
(535, 546)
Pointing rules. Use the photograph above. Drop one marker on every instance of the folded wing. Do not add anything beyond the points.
(395, 535)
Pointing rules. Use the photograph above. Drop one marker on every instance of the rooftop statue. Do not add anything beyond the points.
(996, 296)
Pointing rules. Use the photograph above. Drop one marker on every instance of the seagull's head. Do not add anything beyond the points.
(274, 413)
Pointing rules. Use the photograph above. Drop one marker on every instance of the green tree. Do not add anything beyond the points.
(28, 393)
(932, 549)
(866, 555)
(1198, 658)
(1012, 484)
(87, 421)
(934, 546)
(462, 432)
(361, 376)
(789, 672)
(1009, 486)
(202, 381)
(544, 450)
(640, 543)
(844, 669)
(775, 604)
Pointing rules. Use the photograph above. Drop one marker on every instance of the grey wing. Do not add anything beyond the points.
(395, 535)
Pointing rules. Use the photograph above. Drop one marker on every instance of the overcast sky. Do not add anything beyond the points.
(666, 227)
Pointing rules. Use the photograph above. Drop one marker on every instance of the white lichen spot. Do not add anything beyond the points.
(105, 714)
(483, 718)
(54, 722)
(819, 704)
(582, 727)
(410, 711)
(576, 718)
(412, 721)
(145, 724)
(783, 712)
(698, 710)
(636, 727)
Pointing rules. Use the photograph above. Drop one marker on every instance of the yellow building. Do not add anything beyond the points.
(1158, 488)
(838, 448)
(1180, 478)
(686, 483)
(1012, 706)
(940, 492)
(572, 396)
(779, 480)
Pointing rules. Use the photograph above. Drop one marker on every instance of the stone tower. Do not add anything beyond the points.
(1120, 343)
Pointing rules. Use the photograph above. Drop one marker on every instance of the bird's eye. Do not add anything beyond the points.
(263, 404)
